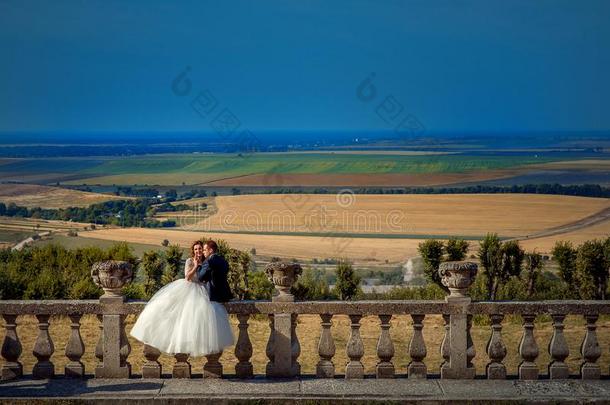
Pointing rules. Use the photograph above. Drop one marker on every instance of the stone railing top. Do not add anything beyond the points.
(66, 307)
(575, 307)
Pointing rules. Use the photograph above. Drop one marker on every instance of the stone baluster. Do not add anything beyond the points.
(445, 348)
(590, 351)
(385, 349)
(355, 350)
(243, 349)
(43, 350)
(112, 275)
(75, 349)
(182, 367)
(295, 346)
(285, 345)
(496, 350)
(558, 349)
(151, 367)
(417, 349)
(326, 349)
(470, 349)
(528, 349)
(99, 347)
(270, 349)
(125, 347)
(213, 367)
(457, 277)
(11, 349)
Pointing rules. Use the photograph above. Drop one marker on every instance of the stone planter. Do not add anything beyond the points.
(111, 275)
(457, 276)
(283, 276)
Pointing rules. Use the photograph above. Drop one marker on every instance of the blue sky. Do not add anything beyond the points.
(455, 65)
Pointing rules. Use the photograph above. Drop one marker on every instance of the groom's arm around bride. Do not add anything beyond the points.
(215, 270)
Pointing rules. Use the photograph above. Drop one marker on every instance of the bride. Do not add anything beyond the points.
(180, 318)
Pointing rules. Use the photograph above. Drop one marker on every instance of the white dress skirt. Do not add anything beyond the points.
(180, 318)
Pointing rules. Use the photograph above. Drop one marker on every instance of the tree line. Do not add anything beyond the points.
(506, 272)
(125, 213)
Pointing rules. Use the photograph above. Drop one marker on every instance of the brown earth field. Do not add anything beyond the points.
(31, 195)
(308, 332)
(474, 215)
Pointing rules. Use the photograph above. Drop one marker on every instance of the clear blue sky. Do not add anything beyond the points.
(457, 65)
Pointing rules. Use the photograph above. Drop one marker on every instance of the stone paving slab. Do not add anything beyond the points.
(228, 390)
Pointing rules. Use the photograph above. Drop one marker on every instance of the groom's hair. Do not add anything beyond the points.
(212, 245)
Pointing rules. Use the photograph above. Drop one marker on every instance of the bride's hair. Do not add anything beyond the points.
(197, 242)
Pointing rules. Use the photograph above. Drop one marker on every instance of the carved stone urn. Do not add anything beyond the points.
(283, 276)
(457, 276)
(111, 275)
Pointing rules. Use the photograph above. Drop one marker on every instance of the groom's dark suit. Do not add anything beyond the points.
(215, 270)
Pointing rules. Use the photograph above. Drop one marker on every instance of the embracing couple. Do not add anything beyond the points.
(187, 315)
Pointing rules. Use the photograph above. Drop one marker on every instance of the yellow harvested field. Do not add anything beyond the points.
(545, 244)
(288, 246)
(509, 215)
(32, 195)
(28, 224)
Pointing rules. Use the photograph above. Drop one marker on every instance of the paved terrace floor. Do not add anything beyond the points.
(260, 390)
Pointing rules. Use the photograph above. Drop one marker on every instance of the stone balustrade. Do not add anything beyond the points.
(283, 347)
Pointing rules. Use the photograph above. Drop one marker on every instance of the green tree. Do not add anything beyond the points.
(431, 252)
(456, 249)
(151, 268)
(173, 260)
(347, 286)
(259, 286)
(311, 285)
(564, 254)
(500, 261)
(591, 274)
(533, 269)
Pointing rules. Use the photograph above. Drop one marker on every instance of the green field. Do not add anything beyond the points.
(217, 166)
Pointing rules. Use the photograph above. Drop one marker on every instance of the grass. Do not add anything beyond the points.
(308, 331)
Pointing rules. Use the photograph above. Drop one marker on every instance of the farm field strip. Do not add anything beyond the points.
(202, 168)
(30, 195)
(467, 215)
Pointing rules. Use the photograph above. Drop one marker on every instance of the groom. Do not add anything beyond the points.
(215, 270)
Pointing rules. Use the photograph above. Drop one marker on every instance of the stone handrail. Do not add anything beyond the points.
(283, 348)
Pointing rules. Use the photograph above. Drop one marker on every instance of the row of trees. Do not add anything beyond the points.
(124, 213)
(506, 272)
(584, 190)
(509, 272)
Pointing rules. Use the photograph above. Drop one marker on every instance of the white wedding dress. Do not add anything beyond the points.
(180, 318)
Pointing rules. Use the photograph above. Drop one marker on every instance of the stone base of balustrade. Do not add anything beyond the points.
(76, 369)
(458, 374)
(11, 371)
(354, 369)
(590, 371)
(44, 370)
(496, 371)
(385, 370)
(118, 372)
(151, 371)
